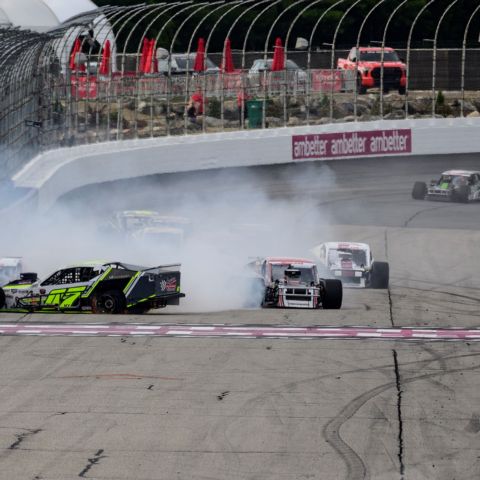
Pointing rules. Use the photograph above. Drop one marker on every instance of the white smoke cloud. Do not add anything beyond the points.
(234, 216)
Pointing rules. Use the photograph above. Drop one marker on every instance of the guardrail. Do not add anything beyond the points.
(94, 79)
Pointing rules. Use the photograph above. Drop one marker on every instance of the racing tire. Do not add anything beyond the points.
(402, 90)
(333, 294)
(2, 298)
(419, 191)
(380, 275)
(462, 194)
(110, 301)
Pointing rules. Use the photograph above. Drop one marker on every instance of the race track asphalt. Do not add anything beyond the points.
(138, 407)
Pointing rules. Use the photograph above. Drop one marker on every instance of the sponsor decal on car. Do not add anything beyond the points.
(169, 285)
(331, 145)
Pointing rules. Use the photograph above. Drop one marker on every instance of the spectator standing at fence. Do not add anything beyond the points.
(195, 106)
(242, 98)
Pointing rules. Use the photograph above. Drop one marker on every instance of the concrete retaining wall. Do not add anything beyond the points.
(57, 172)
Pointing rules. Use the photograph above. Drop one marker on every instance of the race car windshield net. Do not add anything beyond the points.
(357, 257)
(455, 180)
(71, 275)
(306, 274)
(377, 56)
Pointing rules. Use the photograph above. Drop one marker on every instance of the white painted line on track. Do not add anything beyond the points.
(242, 331)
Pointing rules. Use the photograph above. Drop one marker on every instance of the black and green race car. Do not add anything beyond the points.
(97, 287)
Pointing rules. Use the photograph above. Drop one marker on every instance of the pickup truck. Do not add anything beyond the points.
(368, 62)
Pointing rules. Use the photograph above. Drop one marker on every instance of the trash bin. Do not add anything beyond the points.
(255, 113)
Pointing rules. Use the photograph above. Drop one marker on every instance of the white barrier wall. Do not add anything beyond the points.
(57, 172)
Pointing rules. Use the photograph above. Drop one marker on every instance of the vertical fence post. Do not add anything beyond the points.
(309, 57)
(464, 50)
(357, 57)
(245, 40)
(236, 4)
(409, 43)
(199, 7)
(307, 81)
(434, 66)
(332, 57)
(241, 95)
(397, 8)
(265, 54)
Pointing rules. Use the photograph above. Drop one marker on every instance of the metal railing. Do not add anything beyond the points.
(51, 96)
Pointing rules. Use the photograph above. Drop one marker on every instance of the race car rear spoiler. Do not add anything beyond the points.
(157, 284)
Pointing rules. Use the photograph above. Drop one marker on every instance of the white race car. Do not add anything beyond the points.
(10, 269)
(352, 263)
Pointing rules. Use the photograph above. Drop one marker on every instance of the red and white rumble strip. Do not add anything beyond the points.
(243, 331)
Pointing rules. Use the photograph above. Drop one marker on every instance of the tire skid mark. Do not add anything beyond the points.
(419, 212)
(355, 466)
(92, 461)
(441, 292)
(21, 437)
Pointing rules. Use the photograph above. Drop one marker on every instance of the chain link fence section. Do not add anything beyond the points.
(111, 74)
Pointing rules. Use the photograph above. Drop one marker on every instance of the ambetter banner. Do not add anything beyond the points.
(351, 144)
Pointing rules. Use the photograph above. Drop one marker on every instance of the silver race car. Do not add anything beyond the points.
(453, 185)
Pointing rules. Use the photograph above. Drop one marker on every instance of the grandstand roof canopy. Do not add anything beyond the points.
(41, 15)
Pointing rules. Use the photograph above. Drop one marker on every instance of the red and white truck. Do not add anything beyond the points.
(368, 63)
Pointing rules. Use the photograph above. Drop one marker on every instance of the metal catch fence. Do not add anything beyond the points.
(114, 73)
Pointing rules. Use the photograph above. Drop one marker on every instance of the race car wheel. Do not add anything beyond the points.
(111, 301)
(462, 194)
(380, 275)
(333, 294)
(2, 298)
(419, 190)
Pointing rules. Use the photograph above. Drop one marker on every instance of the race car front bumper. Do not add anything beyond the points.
(351, 278)
(439, 194)
(299, 297)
